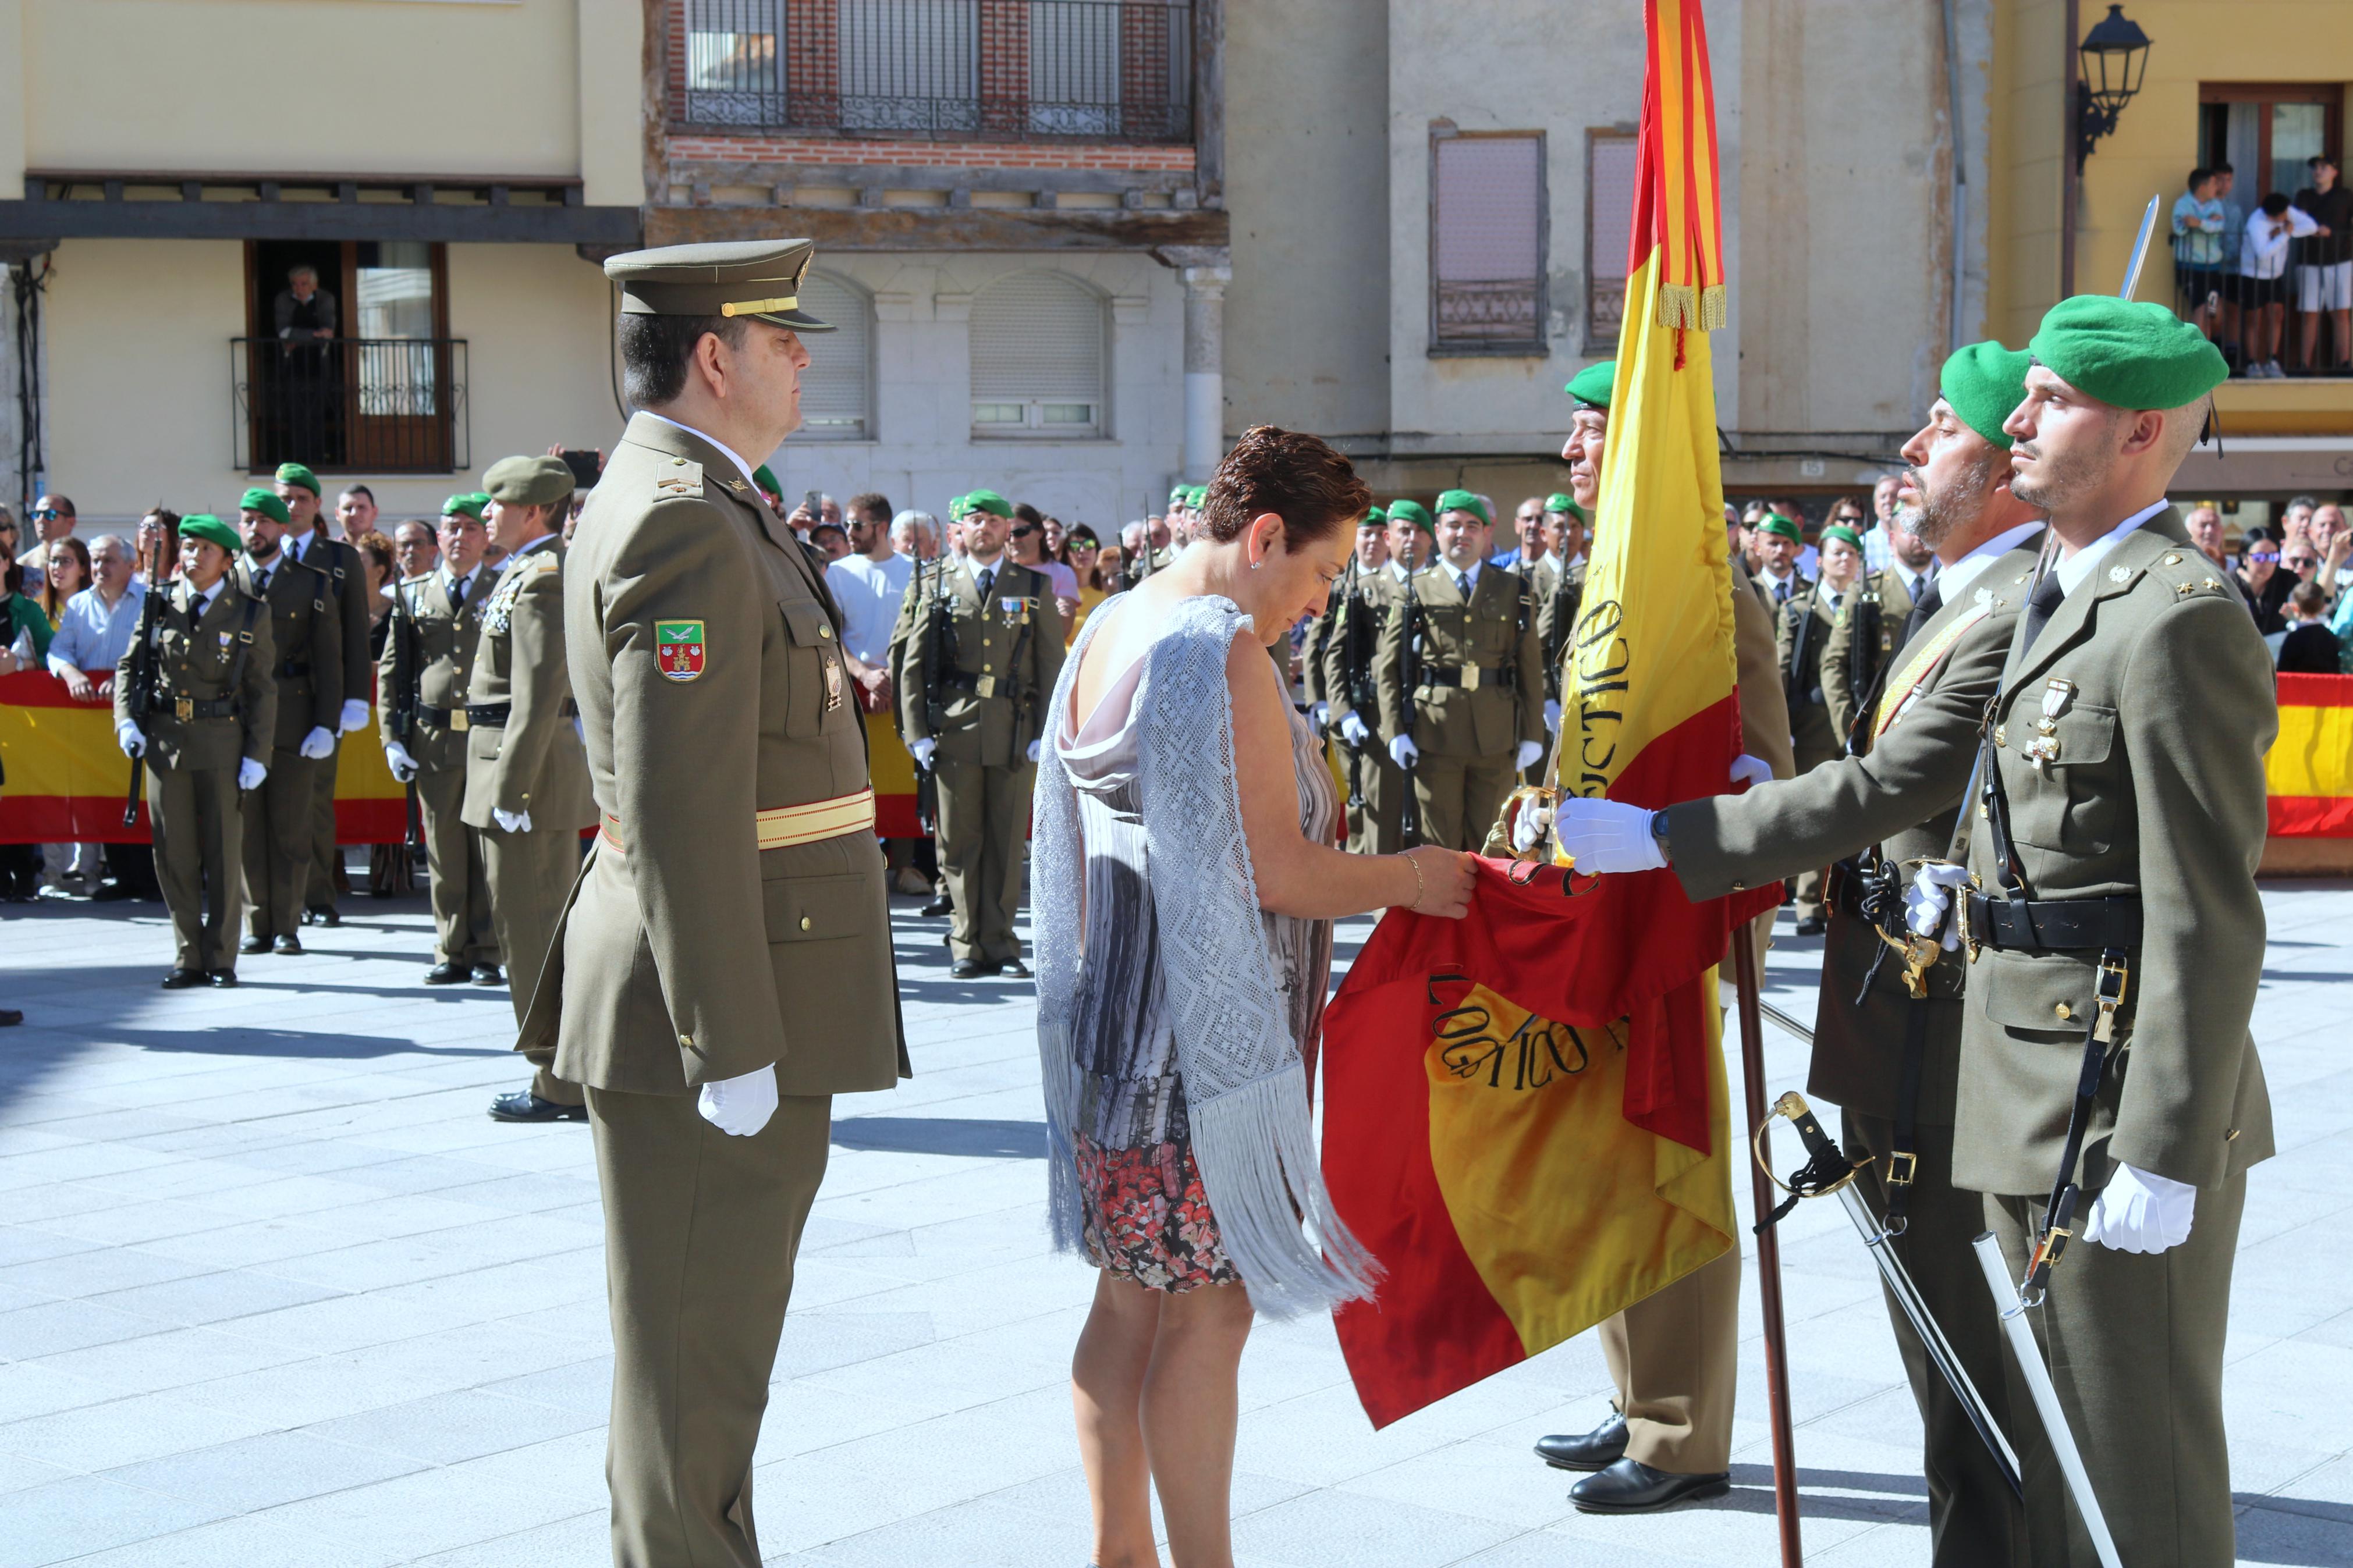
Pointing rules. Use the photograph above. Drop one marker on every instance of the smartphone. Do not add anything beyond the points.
(810, 500)
(585, 466)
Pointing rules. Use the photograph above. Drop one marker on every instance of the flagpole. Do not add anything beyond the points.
(1769, 1248)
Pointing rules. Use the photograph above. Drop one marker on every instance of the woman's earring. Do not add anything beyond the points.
(1256, 564)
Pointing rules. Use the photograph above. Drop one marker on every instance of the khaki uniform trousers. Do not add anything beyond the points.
(318, 892)
(1459, 797)
(464, 931)
(199, 859)
(1377, 824)
(2133, 1342)
(1806, 886)
(984, 817)
(278, 836)
(529, 876)
(1974, 1518)
(701, 1234)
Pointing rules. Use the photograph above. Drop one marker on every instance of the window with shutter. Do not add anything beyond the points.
(734, 62)
(1608, 231)
(1038, 358)
(1487, 243)
(836, 389)
(910, 65)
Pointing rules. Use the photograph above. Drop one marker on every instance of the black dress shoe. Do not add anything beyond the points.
(110, 893)
(488, 974)
(1595, 1450)
(287, 946)
(323, 915)
(11, 1016)
(1631, 1485)
(1813, 925)
(942, 905)
(1014, 969)
(254, 944)
(446, 973)
(522, 1105)
(181, 979)
(972, 969)
(223, 978)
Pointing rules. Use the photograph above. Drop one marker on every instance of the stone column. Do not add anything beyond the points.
(1205, 359)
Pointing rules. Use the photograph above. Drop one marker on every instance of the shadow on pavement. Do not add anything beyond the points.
(942, 1135)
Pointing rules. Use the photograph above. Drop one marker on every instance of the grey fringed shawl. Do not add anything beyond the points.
(1243, 1076)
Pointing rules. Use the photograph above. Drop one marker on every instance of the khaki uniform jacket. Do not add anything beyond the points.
(1764, 711)
(1870, 621)
(446, 641)
(1496, 632)
(1903, 795)
(2156, 791)
(692, 954)
(341, 565)
(1804, 625)
(194, 660)
(1556, 622)
(996, 679)
(306, 629)
(1319, 637)
(533, 761)
(1362, 605)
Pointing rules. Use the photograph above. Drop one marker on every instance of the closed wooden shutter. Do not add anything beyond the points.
(835, 389)
(1609, 173)
(1037, 357)
(1487, 239)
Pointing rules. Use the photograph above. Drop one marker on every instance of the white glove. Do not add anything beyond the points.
(317, 745)
(1528, 828)
(2140, 1211)
(1526, 757)
(404, 767)
(1607, 836)
(355, 715)
(1404, 752)
(1034, 747)
(512, 821)
(1320, 715)
(1551, 716)
(921, 751)
(1929, 896)
(740, 1106)
(127, 736)
(1749, 770)
(1352, 726)
(249, 774)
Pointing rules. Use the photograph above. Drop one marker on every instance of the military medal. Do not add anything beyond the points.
(832, 684)
(678, 648)
(2043, 749)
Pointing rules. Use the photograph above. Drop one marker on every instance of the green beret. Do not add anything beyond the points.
(987, 501)
(1464, 500)
(1774, 522)
(296, 474)
(1177, 493)
(1591, 385)
(1558, 502)
(1195, 497)
(529, 481)
(765, 478)
(466, 505)
(204, 525)
(1985, 382)
(1374, 518)
(1412, 512)
(2129, 355)
(263, 501)
(1840, 531)
(479, 498)
(957, 506)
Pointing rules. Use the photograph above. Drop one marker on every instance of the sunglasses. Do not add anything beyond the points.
(1025, 530)
(2264, 555)
(47, 511)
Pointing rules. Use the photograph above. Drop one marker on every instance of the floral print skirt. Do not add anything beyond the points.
(1147, 1219)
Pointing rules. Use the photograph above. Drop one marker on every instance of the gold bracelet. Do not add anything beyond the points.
(1409, 860)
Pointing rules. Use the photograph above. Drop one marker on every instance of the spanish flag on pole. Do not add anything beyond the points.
(1525, 1111)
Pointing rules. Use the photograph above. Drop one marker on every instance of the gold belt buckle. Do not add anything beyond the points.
(2109, 999)
(1903, 1168)
(458, 721)
(1470, 675)
(985, 686)
(183, 709)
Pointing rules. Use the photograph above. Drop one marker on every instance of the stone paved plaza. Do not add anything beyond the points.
(276, 1293)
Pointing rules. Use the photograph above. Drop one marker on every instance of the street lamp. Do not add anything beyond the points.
(2114, 55)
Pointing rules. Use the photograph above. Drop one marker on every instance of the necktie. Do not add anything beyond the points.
(1924, 609)
(2048, 594)
(1462, 583)
(987, 581)
(260, 582)
(458, 590)
(1782, 590)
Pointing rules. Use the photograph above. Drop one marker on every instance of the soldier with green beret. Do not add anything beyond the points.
(724, 967)
(2111, 910)
(307, 643)
(1805, 625)
(205, 727)
(772, 490)
(1591, 386)
(424, 673)
(978, 648)
(1460, 680)
(308, 541)
(1348, 664)
(527, 792)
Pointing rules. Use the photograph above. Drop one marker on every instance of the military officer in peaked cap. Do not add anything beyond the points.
(428, 665)
(724, 967)
(527, 795)
(206, 735)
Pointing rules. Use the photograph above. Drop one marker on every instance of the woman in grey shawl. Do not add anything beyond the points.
(1183, 890)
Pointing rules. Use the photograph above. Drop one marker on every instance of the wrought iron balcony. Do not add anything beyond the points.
(377, 405)
(1118, 70)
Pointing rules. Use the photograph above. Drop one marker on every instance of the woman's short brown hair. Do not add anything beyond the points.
(1296, 475)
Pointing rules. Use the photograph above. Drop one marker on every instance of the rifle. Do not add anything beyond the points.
(1349, 631)
(141, 701)
(409, 676)
(1022, 693)
(1416, 620)
(939, 646)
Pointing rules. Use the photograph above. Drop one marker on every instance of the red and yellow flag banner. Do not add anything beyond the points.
(1525, 1112)
(2308, 774)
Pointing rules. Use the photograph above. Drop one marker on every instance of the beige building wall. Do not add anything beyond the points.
(537, 322)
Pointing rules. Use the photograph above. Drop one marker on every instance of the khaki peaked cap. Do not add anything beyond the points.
(760, 278)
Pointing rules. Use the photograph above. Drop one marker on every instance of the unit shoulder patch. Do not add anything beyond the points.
(678, 648)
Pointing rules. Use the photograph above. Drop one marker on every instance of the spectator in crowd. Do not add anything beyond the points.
(2263, 282)
(2309, 648)
(2234, 228)
(96, 627)
(24, 631)
(2295, 520)
(355, 512)
(2205, 526)
(916, 535)
(2260, 582)
(66, 573)
(415, 548)
(376, 559)
(2323, 273)
(1058, 540)
(2300, 560)
(53, 519)
(2198, 254)
(829, 539)
(1027, 544)
(870, 580)
(2334, 540)
(1878, 545)
(1527, 531)
(11, 534)
(1750, 516)
(302, 309)
(159, 528)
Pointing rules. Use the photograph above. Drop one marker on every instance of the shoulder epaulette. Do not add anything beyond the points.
(679, 476)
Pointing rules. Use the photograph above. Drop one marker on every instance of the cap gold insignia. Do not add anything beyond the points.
(738, 486)
(760, 307)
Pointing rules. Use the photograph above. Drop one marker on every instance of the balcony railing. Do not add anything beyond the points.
(379, 406)
(1106, 69)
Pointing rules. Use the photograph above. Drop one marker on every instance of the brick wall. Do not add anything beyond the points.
(813, 62)
(705, 147)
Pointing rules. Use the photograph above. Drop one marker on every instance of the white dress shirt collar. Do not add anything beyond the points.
(2074, 569)
(1953, 579)
(1459, 573)
(737, 457)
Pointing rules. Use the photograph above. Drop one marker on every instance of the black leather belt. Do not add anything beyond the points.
(187, 708)
(492, 714)
(453, 719)
(979, 685)
(1468, 678)
(290, 671)
(2053, 925)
